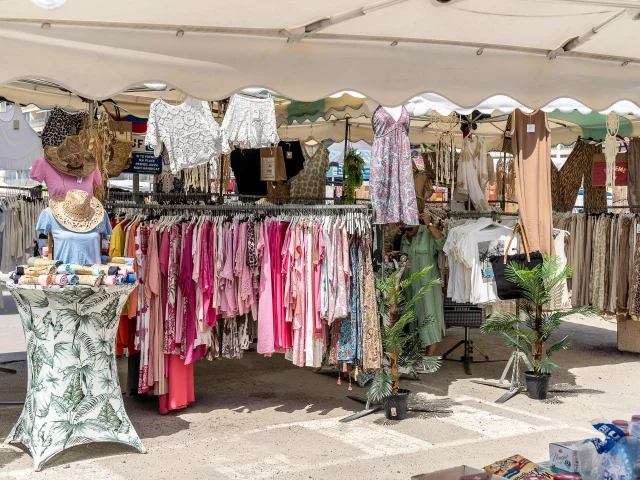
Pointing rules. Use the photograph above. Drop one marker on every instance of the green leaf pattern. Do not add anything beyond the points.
(73, 391)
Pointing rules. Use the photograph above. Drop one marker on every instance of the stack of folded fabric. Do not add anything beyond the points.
(44, 272)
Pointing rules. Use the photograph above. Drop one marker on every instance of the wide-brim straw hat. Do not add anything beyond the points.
(77, 211)
(72, 157)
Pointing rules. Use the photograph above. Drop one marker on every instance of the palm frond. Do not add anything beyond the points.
(381, 386)
(529, 280)
(430, 364)
(545, 366)
(415, 276)
(499, 322)
(563, 344)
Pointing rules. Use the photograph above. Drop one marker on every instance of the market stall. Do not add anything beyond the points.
(298, 279)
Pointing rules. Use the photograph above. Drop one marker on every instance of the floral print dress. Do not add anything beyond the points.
(391, 183)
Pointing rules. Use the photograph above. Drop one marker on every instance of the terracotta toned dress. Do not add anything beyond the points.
(532, 154)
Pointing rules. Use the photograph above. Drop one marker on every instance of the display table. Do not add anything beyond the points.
(73, 392)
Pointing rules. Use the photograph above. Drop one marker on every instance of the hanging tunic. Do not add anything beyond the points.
(265, 301)
(391, 183)
(532, 153)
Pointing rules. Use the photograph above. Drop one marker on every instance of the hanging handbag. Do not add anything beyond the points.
(507, 290)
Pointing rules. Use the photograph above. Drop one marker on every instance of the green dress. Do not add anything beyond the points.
(422, 252)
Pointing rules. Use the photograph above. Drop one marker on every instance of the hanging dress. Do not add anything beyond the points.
(391, 183)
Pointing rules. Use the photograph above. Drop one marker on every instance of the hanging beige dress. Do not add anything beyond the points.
(532, 154)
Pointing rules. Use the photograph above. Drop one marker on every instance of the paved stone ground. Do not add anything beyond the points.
(260, 418)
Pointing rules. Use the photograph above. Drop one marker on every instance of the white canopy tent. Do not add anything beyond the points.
(534, 51)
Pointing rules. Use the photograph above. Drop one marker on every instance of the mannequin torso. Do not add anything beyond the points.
(395, 112)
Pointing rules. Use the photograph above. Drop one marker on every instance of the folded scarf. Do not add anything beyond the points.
(72, 279)
(16, 279)
(37, 271)
(119, 279)
(44, 251)
(42, 262)
(28, 281)
(113, 270)
(62, 279)
(20, 269)
(131, 278)
(118, 260)
(91, 280)
(66, 268)
(110, 280)
(46, 280)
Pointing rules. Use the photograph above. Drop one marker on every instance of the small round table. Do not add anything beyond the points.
(73, 391)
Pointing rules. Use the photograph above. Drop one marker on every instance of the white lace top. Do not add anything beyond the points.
(251, 122)
(189, 133)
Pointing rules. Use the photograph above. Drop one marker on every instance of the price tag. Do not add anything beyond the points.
(255, 114)
(79, 180)
(531, 128)
(268, 169)
(289, 155)
(638, 228)
(16, 124)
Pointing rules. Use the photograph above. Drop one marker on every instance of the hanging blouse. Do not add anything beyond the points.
(189, 133)
(312, 180)
(60, 125)
(19, 143)
(251, 122)
(473, 171)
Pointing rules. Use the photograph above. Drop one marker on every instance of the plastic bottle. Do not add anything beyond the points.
(622, 425)
(634, 429)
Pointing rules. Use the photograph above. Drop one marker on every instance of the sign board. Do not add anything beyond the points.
(142, 158)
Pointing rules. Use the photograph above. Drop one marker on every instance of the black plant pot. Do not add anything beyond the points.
(395, 405)
(537, 386)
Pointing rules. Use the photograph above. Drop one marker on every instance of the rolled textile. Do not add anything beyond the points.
(43, 262)
(24, 280)
(113, 270)
(82, 270)
(16, 279)
(119, 279)
(62, 279)
(131, 278)
(46, 280)
(37, 271)
(72, 279)
(20, 269)
(110, 280)
(91, 280)
(118, 260)
(66, 268)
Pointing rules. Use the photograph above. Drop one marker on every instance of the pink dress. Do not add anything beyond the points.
(265, 300)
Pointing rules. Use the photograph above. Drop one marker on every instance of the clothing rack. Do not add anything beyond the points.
(479, 214)
(239, 208)
(602, 208)
(215, 197)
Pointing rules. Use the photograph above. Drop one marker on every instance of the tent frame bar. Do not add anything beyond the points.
(279, 33)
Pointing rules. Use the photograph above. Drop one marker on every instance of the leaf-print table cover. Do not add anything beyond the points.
(73, 392)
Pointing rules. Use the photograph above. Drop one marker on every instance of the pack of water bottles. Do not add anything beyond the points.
(617, 456)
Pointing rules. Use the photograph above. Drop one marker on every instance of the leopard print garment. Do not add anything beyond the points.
(60, 125)
(566, 182)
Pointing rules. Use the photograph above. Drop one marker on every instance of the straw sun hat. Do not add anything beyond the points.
(77, 211)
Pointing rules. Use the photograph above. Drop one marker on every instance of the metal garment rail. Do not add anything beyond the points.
(240, 208)
(598, 208)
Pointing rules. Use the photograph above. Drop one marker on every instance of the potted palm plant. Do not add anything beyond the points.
(403, 351)
(534, 327)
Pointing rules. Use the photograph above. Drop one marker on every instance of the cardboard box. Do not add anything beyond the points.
(563, 456)
(519, 468)
(452, 474)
